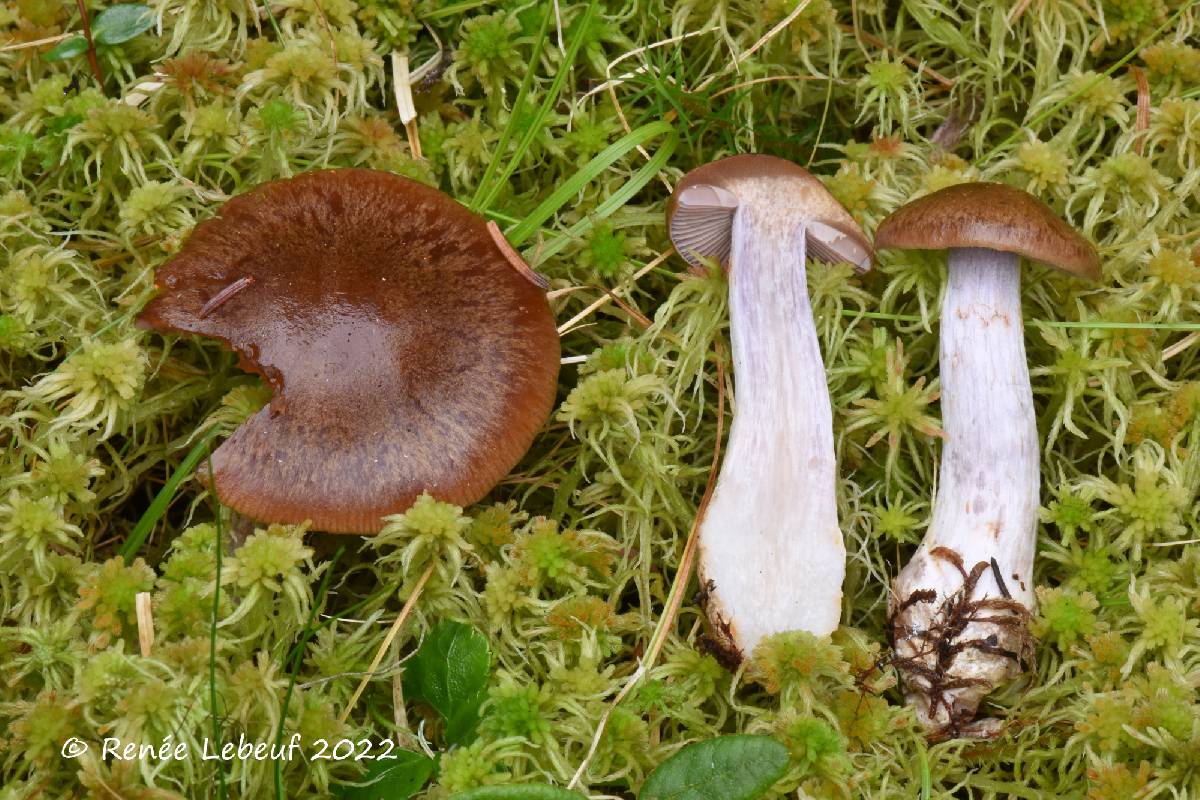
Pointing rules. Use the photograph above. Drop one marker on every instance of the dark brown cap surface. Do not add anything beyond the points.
(701, 209)
(992, 216)
(404, 351)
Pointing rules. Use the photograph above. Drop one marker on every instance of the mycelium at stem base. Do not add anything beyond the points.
(771, 553)
(961, 607)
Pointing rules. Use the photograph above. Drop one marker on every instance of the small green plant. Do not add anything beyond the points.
(112, 27)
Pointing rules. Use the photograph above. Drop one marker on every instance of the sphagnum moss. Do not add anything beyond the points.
(566, 568)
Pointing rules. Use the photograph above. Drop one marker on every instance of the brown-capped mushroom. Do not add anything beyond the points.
(771, 554)
(960, 608)
(404, 352)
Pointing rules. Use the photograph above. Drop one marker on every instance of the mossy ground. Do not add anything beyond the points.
(1092, 106)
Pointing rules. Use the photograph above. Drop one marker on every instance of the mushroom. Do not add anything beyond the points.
(959, 610)
(404, 352)
(771, 555)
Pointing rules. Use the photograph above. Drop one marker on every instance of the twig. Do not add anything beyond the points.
(145, 622)
(251, 7)
(1181, 345)
(558, 26)
(769, 35)
(1017, 11)
(107, 788)
(682, 576)
(404, 102)
(387, 640)
(98, 246)
(1175, 237)
(108, 261)
(770, 79)
(328, 32)
(612, 95)
(382, 672)
(399, 713)
(356, 621)
(611, 81)
(427, 70)
(554, 294)
(36, 42)
(610, 294)
(638, 317)
(919, 66)
(93, 62)
(225, 295)
(514, 258)
(762, 42)
(610, 84)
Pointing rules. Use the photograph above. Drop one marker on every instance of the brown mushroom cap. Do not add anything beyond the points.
(404, 351)
(992, 216)
(701, 209)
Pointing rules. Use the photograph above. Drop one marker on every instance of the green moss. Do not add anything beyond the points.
(108, 595)
(1064, 617)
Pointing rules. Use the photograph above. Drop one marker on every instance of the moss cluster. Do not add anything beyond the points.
(567, 568)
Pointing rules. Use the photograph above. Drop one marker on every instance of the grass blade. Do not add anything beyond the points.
(485, 183)
(295, 655)
(602, 161)
(158, 507)
(534, 126)
(214, 708)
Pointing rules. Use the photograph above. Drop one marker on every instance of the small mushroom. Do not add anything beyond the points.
(960, 609)
(404, 352)
(771, 555)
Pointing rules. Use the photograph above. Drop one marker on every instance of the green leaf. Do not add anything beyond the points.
(461, 725)
(67, 48)
(120, 23)
(450, 672)
(517, 792)
(725, 768)
(397, 777)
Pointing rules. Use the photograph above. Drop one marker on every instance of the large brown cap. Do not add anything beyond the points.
(993, 216)
(404, 351)
(700, 213)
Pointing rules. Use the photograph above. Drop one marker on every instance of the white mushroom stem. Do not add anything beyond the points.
(771, 553)
(956, 639)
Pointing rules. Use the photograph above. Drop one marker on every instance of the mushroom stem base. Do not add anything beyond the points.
(771, 554)
(960, 608)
